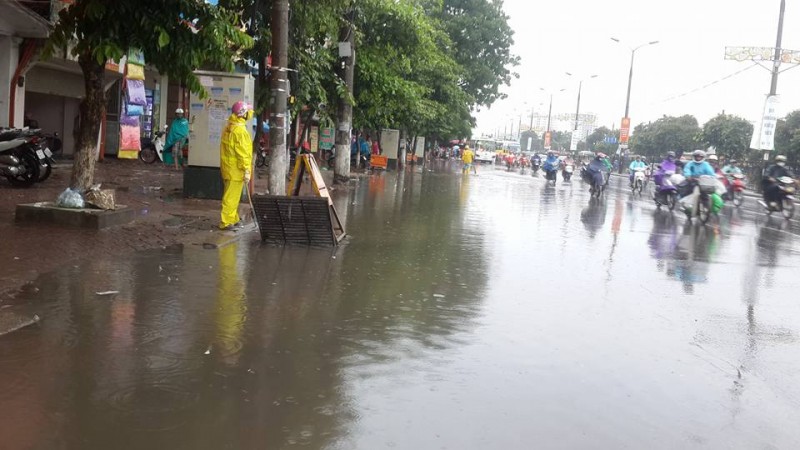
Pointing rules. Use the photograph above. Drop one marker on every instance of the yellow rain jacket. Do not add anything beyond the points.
(235, 150)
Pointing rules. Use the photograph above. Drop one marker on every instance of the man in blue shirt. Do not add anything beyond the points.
(698, 166)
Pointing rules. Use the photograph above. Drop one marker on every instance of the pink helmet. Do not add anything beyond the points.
(240, 108)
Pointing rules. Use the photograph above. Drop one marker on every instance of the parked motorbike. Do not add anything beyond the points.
(21, 156)
(638, 181)
(153, 150)
(567, 172)
(666, 192)
(785, 205)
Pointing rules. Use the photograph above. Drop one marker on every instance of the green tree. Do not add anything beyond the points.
(787, 138)
(176, 36)
(729, 134)
(536, 141)
(654, 139)
(482, 40)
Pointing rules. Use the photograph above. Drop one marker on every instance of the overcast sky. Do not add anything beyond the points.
(557, 36)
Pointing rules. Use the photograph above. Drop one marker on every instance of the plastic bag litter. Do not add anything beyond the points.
(70, 199)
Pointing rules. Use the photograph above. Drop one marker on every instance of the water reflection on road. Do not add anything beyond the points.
(463, 312)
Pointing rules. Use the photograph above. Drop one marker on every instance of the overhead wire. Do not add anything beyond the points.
(708, 85)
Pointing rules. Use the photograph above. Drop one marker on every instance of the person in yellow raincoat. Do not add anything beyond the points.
(236, 162)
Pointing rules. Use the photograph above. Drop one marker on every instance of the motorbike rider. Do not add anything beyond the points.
(552, 162)
(769, 183)
(731, 168)
(637, 163)
(668, 164)
(698, 166)
(596, 170)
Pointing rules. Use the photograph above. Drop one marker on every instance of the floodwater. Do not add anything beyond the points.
(487, 312)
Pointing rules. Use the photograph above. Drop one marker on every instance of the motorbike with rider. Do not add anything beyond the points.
(551, 166)
(778, 187)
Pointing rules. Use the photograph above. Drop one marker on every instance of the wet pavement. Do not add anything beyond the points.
(463, 313)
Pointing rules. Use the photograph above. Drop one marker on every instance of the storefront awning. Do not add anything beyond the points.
(18, 20)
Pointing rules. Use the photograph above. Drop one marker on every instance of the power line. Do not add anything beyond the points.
(705, 86)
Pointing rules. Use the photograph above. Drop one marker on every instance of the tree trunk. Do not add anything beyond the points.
(344, 116)
(279, 93)
(92, 112)
(401, 152)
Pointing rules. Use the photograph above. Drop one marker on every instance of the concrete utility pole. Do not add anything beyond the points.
(344, 115)
(776, 64)
(279, 95)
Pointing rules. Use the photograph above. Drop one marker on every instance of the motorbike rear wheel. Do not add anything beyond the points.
(148, 154)
(638, 187)
(704, 209)
(787, 208)
(31, 175)
(45, 170)
(738, 198)
(672, 200)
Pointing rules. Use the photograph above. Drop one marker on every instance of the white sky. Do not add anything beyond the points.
(557, 36)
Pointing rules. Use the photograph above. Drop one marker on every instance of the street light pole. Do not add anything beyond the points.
(625, 126)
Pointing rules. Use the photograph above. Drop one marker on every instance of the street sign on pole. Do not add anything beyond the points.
(547, 138)
(530, 143)
(573, 143)
(764, 134)
(624, 130)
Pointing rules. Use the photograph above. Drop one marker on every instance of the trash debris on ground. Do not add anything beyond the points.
(70, 199)
(100, 198)
(107, 292)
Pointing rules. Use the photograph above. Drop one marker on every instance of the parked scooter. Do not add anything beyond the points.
(153, 150)
(785, 205)
(21, 157)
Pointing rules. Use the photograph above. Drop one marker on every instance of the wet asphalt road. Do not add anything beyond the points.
(487, 312)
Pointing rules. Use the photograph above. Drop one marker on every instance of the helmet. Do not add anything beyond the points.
(733, 161)
(179, 111)
(240, 108)
(713, 157)
(780, 158)
(698, 153)
(638, 157)
(670, 154)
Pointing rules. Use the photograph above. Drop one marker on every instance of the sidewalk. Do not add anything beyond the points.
(164, 218)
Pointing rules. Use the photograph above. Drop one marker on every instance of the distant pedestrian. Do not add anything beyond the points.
(376, 147)
(176, 138)
(467, 158)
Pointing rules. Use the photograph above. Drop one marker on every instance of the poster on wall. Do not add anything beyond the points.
(217, 119)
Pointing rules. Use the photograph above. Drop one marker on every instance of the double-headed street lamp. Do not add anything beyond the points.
(578, 107)
(630, 73)
(546, 137)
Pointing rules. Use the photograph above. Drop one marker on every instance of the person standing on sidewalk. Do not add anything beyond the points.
(236, 162)
(176, 138)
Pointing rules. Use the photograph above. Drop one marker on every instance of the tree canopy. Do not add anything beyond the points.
(669, 133)
(729, 134)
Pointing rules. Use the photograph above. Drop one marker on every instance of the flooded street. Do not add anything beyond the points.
(462, 313)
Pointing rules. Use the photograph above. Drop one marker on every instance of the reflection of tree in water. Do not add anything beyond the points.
(393, 268)
(594, 216)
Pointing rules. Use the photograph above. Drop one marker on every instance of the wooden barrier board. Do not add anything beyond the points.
(379, 162)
